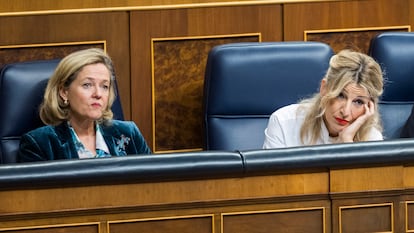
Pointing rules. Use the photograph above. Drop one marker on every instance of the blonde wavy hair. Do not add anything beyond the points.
(53, 110)
(344, 68)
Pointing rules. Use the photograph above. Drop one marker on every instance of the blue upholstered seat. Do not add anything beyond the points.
(21, 91)
(394, 51)
(245, 82)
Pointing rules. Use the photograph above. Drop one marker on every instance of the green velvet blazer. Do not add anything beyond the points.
(55, 142)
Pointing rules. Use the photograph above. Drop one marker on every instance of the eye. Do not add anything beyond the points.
(341, 96)
(359, 102)
(105, 87)
(87, 85)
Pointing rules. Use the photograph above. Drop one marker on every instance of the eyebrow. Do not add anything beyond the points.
(359, 96)
(364, 97)
(93, 79)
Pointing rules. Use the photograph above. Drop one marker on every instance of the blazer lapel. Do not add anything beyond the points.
(63, 133)
(112, 139)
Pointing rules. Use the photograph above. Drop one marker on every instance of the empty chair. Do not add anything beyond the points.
(246, 82)
(22, 87)
(394, 51)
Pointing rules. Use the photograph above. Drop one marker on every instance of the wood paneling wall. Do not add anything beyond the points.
(222, 22)
(40, 6)
(343, 15)
(327, 201)
(129, 27)
(342, 200)
(56, 30)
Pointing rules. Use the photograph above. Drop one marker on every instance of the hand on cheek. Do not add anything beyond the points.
(369, 111)
(348, 134)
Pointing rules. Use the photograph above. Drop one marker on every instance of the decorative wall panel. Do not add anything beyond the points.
(67, 228)
(366, 218)
(357, 39)
(185, 224)
(409, 216)
(290, 220)
(177, 82)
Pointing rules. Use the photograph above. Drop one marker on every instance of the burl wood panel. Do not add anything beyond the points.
(182, 225)
(305, 220)
(191, 22)
(179, 67)
(354, 39)
(42, 52)
(370, 218)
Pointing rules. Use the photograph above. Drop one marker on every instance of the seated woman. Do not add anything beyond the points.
(344, 110)
(76, 109)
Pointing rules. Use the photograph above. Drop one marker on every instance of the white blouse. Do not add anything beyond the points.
(283, 129)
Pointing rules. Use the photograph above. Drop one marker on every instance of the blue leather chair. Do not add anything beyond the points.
(394, 51)
(246, 82)
(21, 91)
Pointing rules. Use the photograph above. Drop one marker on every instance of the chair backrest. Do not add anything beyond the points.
(245, 82)
(22, 87)
(394, 51)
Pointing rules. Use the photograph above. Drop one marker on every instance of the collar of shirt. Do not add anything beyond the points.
(100, 141)
(101, 147)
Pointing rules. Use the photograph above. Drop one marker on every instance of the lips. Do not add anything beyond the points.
(341, 121)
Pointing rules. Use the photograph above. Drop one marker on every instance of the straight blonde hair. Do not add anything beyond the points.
(53, 110)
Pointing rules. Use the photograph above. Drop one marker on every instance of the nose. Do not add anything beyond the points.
(97, 92)
(346, 108)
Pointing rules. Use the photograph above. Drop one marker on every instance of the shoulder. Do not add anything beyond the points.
(375, 135)
(126, 133)
(42, 131)
(288, 108)
(123, 127)
(122, 124)
(283, 129)
(290, 112)
(48, 132)
(39, 138)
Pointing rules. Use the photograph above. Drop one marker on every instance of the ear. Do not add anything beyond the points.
(63, 93)
(322, 89)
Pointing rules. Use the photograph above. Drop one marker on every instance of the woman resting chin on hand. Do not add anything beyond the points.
(344, 110)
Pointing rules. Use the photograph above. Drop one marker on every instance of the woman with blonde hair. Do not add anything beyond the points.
(344, 110)
(76, 110)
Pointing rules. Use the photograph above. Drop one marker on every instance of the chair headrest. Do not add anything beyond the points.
(394, 51)
(21, 92)
(245, 82)
(258, 78)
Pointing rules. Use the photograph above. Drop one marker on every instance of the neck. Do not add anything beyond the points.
(83, 128)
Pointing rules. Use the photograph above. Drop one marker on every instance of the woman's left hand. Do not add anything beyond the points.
(348, 134)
